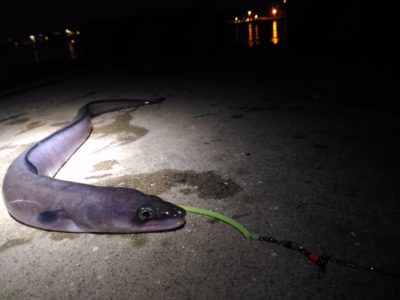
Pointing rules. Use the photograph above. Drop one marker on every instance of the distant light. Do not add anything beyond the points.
(236, 19)
(78, 32)
(284, 1)
(249, 13)
(274, 11)
(68, 32)
(255, 16)
(72, 41)
(32, 38)
(46, 38)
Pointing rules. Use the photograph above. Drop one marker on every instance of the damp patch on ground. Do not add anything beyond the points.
(252, 109)
(105, 165)
(17, 121)
(6, 147)
(127, 132)
(14, 243)
(12, 117)
(137, 240)
(31, 126)
(17, 148)
(206, 115)
(59, 236)
(256, 108)
(84, 95)
(58, 124)
(208, 185)
(98, 176)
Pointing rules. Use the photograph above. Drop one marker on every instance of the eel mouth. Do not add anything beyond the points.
(162, 225)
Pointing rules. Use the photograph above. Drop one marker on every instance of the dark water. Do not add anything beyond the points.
(35, 56)
(60, 50)
(270, 33)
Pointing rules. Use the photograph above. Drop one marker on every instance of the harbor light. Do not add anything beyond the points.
(68, 32)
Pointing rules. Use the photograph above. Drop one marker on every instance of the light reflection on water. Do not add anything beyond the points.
(35, 54)
(275, 38)
(72, 49)
(250, 35)
(254, 34)
(63, 50)
(257, 35)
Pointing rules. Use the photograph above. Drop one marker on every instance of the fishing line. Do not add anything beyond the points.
(305, 232)
(320, 260)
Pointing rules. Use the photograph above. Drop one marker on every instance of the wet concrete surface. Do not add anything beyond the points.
(295, 154)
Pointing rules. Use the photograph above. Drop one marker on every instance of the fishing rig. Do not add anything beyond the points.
(321, 261)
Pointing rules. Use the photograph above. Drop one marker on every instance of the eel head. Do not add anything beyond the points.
(133, 211)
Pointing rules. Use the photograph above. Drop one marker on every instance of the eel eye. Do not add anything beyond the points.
(146, 212)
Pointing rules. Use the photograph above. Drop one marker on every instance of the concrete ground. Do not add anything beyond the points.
(249, 146)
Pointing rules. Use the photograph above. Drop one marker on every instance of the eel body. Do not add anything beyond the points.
(34, 197)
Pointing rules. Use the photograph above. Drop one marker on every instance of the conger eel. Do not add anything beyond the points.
(34, 197)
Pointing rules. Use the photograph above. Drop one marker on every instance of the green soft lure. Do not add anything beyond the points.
(220, 217)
